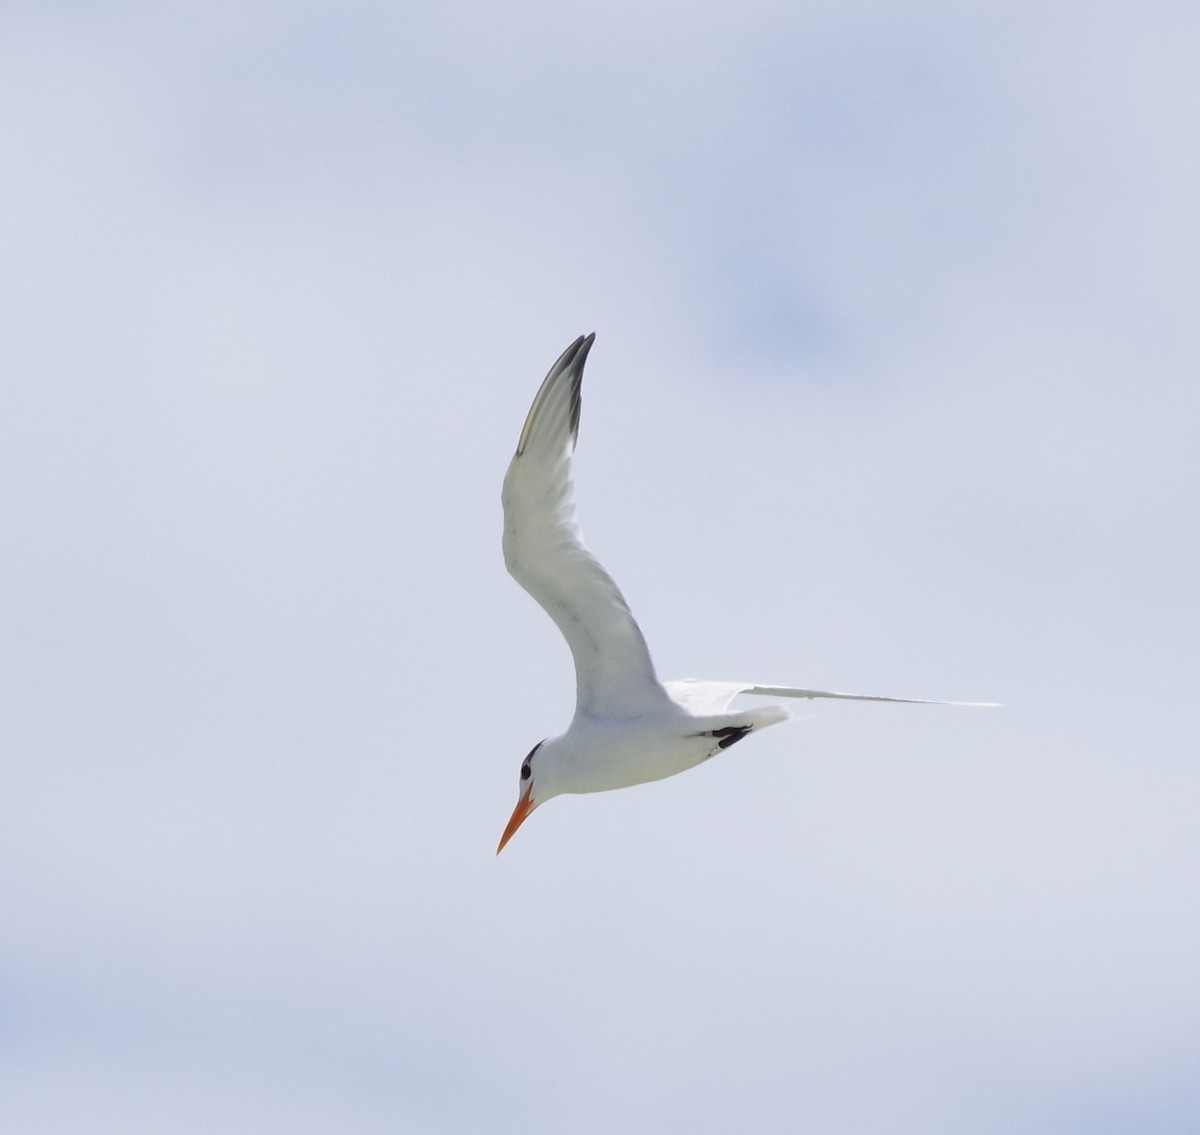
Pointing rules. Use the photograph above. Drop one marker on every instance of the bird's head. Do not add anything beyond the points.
(533, 789)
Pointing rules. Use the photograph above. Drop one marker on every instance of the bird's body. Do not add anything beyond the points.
(628, 727)
(599, 753)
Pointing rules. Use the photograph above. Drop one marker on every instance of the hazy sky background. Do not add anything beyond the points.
(895, 389)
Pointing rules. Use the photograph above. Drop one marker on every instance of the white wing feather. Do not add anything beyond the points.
(702, 698)
(544, 552)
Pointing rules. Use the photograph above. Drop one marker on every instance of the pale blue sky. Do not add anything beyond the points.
(894, 389)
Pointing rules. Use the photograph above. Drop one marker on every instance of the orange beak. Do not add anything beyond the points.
(520, 812)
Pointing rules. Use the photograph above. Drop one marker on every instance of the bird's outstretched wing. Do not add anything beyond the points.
(703, 698)
(544, 552)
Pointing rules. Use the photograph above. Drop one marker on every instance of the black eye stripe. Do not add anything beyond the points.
(526, 770)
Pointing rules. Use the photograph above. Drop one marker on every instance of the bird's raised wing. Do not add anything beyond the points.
(544, 552)
(704, 698)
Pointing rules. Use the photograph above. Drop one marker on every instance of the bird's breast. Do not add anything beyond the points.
(603, 755)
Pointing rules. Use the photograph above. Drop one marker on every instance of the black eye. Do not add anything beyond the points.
(525, 774)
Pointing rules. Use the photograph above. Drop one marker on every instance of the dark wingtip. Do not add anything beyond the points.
(583, 344)
(571, 363)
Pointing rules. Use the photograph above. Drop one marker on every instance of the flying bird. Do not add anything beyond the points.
(628, 728)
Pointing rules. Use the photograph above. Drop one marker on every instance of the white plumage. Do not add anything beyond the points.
(628, 727)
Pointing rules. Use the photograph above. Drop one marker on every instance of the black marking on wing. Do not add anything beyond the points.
(571, 363)
(728, 735)
(576, 403)
(575, 358)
